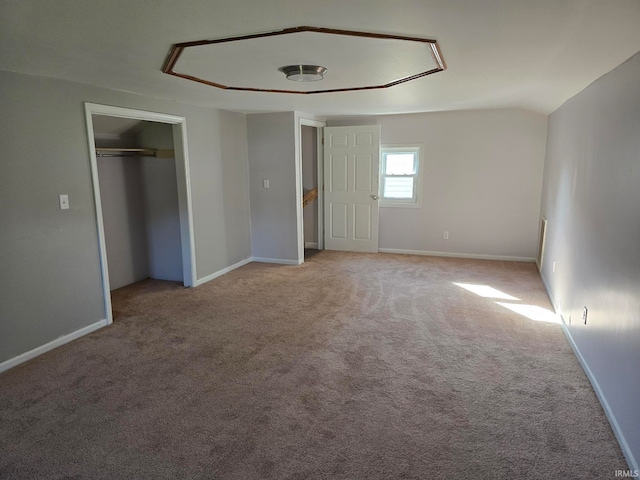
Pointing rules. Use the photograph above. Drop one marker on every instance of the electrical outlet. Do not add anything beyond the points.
(265, 183)
(584, 315)
(445, 235)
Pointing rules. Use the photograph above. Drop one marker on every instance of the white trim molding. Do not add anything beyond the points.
(219, 273)
(542, 242)
(418, 177)
(281, 261)
(615, 426)
(457, 255)
(300, 120)
(184, 190)
(58, 342)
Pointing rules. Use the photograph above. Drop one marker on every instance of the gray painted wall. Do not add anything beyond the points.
(271, 140)
(162, 215)
(123, 215)
(591, 199)
(481, 182)
(139, 198)
(352, 121)
(50, 282)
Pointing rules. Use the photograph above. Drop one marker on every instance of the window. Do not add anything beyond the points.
(400, 176)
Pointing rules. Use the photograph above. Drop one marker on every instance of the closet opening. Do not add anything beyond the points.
(310, 167)
(140, 178)
(310, 189)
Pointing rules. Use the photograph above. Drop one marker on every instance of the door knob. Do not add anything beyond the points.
(375, 197)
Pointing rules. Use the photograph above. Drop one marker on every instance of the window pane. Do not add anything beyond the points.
(398, 187)
(400, 164)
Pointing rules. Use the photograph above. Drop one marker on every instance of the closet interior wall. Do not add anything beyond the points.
(139, 199)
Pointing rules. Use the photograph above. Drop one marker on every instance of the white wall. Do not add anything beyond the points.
(481, 182)
(50, 283)
(591, 198)
(482, 176)
(271, 140)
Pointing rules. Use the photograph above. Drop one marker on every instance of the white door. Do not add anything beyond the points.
(351, 172)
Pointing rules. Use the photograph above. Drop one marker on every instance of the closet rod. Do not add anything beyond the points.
(116, 155)
(130, 152)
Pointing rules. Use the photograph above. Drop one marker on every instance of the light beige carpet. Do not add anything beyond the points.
(351, 366)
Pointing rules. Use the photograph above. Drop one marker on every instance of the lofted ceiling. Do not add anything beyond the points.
(357, 67)
(532, 54)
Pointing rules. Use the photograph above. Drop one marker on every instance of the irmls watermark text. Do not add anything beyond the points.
(627, 473)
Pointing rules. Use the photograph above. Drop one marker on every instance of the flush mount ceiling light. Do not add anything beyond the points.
(356, 60)
(303, 73)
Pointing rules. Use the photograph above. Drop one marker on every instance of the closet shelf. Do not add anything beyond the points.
(310, 196)
(134, 152)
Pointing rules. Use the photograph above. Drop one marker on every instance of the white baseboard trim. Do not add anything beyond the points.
(615, 426)
(311, 245)
(555, 306)
(58, 342)
(457, 255)
(282, 261)
(219, 273)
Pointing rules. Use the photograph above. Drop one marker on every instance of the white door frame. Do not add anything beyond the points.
(542, 241)
(179, 127)
(299, 190)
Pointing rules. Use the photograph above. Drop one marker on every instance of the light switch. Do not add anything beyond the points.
(265, 183)
(64, 202)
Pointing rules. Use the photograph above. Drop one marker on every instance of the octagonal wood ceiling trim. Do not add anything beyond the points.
(183, 50)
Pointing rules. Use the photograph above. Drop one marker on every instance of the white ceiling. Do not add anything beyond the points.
(533, 54)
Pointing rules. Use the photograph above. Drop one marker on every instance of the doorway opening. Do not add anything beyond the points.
(541, 243)
(310, 208)
(140, 168)
(310, 177)
(351, 182)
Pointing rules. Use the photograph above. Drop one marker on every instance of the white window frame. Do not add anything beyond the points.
(416, 201)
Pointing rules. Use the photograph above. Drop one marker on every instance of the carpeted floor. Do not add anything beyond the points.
(351, 366)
